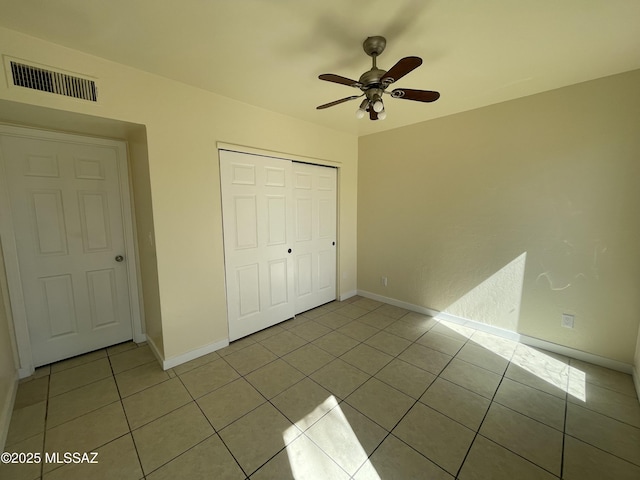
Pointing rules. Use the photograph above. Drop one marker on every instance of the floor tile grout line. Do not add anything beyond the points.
(389, 432)
(80, 416)
(536, 388)
(373, 375)
(612, 390)
(46, 419)
(126, 417)
(477, 432)
(214, 434)
(518, 455)
(634, 395)
(82, 386)
(302, 432)
(604, 415)
(52, 365)
(143, 389)
(507, 448)
(307, 342)
(267, 400)
(564, 427)
(215, 431)
(84, 364)
(527, 416)
(301, 379)
(603, 450)
(120, 400)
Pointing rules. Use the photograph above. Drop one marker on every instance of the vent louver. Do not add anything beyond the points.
(51, 81)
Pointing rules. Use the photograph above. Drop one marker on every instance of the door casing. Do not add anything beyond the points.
(299, 159)
(9, 249)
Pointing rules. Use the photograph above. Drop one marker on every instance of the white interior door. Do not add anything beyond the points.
(66, 209)
(258, 241)
(315, 235)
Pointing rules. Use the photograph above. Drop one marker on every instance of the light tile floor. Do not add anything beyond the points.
(354, 389)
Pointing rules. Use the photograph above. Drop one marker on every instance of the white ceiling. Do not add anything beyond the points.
(269, 53)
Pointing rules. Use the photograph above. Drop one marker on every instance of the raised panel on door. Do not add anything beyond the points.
(48, 221)
(304, 274)
(59, 312)
(248, 290)
(276, 220)
(245, 221)
(103, 297)
(67, 212)
(315, 220)
(94, 221)
(258, 233)
(278, 283)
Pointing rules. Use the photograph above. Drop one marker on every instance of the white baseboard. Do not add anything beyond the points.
(6, 408)
(347, 295)
(25, 372)
(188, 356)
(636, 380)
(155, 350)
(398, 303)
(530, 341)
(577, 354)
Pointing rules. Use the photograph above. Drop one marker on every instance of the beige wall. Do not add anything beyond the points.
(513, 214)
(176, 185)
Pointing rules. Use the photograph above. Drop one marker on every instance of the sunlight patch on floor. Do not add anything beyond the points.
(544, 366)
(307, 460)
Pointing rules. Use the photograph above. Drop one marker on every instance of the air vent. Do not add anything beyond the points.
(45, 80)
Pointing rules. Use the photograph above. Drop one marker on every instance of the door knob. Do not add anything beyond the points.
(289, 251)
(119, 258)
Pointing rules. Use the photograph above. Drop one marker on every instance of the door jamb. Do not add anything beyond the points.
(10, 252)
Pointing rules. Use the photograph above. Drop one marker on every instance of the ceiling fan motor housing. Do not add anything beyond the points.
(371, 78)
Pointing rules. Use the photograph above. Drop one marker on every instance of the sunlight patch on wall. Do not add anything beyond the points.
(496, 301)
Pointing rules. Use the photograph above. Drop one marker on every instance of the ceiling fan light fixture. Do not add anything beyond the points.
(378, 106)
(362, 110)
(382, 115)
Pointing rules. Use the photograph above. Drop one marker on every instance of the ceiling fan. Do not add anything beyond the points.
(374, 82)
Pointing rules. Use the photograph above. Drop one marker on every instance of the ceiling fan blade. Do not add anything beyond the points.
(373, 115)
(417, 95)
(330, 77)
(337, 102)
(400, 69)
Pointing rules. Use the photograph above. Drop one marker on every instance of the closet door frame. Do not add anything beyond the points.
(230, 276)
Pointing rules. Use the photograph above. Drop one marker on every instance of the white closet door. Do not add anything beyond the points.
(315, 235)
(258, 241)
(68, 224)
